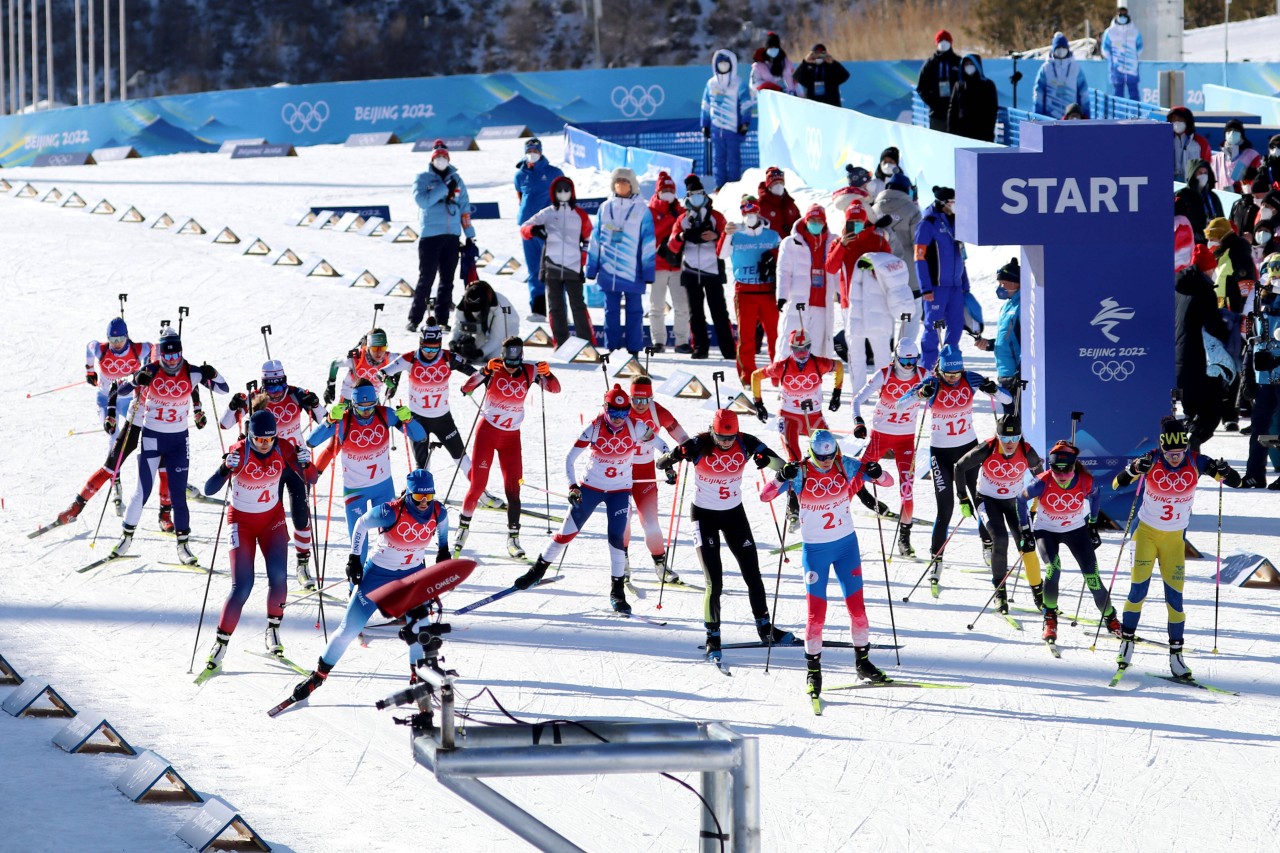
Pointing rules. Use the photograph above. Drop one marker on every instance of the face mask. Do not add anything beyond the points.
(1234, 137)
(1001, 293)
(1122, 19)
(970, 70)
(1265, 214)
(1213, 244)
(1202, 180)
(777, 189)
(696, 199)
(723, 67)
(889, 167)
(949, 207)
(667, 196)
(439, 163)
(532, 157)
(944, 46)
(1179, 127)
(1262, 238)
(750, 220)
(1060, 53)
(856, 226)
(563, 195)
(772, 53)
(814, 227)
(1274, 151)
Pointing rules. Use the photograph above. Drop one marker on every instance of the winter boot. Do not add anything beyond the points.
(117, 497)
(1037, 595)
(314, 680)
(1050, 634)
(813, 673)
(69, 514)
(1177, 665)
(464, 527)
(489, 501)
(665, 575)
(866, 669)
(618, 596)
(713, 646)
(166, 519)
(513, 542)
(532, 576)
(1126, 650)
(904, 541)
(272, 637)
(184, 552)
(214, 661)
(771, 635)
(126, 541)
(1002, 600)
(304, 571)
(1112, 623)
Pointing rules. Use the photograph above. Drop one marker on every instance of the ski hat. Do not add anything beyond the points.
(641, 388)
(117, 328)
(378, 338)
(171, 352)
(899, 182)
(1063, 455)
(431, 335)
(439, 149)
(693, 183)
(364, 396)
(950, 360)
(856, 210)
(512, 353)
(774, 175)
(750, 204)
(272, 369)
(479, 297)
(942, 35)
(725, 422)
(1009, 427)
(1173, 434)
(665, 183)
(419, 482)
(944, 194)
(857, 176)
(563, 183)
(907, 349)
(532, 145)
(773, 40)
(1260, 185)
(1011, 271)
(1217, 229)
(624, 174)
(816, 211)
(616, 398)
(262, 424)
(822, 445)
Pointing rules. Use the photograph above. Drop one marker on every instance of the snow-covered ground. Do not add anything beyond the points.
(1255, 40)
(1033, 752)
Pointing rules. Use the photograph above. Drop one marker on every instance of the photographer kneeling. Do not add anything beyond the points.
(481, 322)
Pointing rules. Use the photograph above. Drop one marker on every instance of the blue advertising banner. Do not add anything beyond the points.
(583, 150)
(1097, 311)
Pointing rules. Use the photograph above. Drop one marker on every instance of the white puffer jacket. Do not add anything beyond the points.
(797, 264)
(878, 297)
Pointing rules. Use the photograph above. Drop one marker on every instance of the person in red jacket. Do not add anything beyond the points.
(665, 210)
(777, 206)
(857, 238)
(696, 238)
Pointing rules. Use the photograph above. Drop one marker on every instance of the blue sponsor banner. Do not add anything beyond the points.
(582, 150)
(1096, 338)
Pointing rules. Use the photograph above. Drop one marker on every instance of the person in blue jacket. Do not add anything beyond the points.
(1060, 82)
(726, 116)
(445, 215)
(1122, 45)
(940, 269)
(621, 258)
(1264, 338)
(1007, 343)
(533, 187)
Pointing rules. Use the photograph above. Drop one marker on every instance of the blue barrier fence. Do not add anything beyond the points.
(584, 150)
(1008, 120)
(678, 138)
(1104, 105)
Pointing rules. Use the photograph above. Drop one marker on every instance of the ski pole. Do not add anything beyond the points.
(124, 443)
(716, 379)
(53, 390)
(208, 582)
(319, 589)
(546, 466)
(328, 513)
(937, 559)
(777, 529)
(183, 311)
(884, 560)
(604, 368)
(377, 306)
(777, 585)
(266, 332)
(673, 530)
(1217, 575)
(320, 577)
(123, 297)
(1132, 509)
(995, 591)
(467, 444)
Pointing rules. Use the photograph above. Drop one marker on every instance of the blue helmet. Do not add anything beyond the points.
(262, 424)
(117, 329)
(420, 482)
(822, 445)
(950, 360)
(364, 397)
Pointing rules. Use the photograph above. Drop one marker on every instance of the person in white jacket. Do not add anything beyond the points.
(895, 201)
(482, 321)
(565, 228)
(807, 293)
(878, 297)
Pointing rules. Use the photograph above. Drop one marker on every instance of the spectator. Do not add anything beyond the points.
(1237, 162)
(895, 202)
(875, 295)
(1195, 312)
(856, 187)
(1060, 81)
(621, 258)
(806, 291)
(751, 250)
(1270, 166)
(565, 228)
(726, 107)
(665, 210)
(938, 77)
(483, 320)
(1264, 340)
(889, 164)
(770, 68)
(857, 238)
(776, 205)
(445, 216)
(1234, 278)
(1187, 144)
(1264, 242)
(820, 76)
(1007, 343)
(534, 176)
(944, 281)
(1073, 113)
(697, 237)
(972, 113)
(1122, 45)
(1244, 213)
(1196, 200)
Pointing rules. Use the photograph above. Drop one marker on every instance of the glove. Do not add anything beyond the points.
(782, 305)
(789, 471)
(391, 383)
(834, 405)
(575, 495)
(109, 422)
(543, 368)
(200, 419)
(337, 411)
(706, 133)
(143, 379)
(743, 128)
(469, 244)
(443, 554)
(239, 403)
(1094, 539)
(1262, 360)
(304, 456)
(1026, 541)
(670, 474)
(207, 372)
(451, 185)
(539, 231)
(91, 377)
(988, 386)
(231, 461)
(403, 414)
(309, 400)
(761, 412)
(768, 267)
(1140, 466)
(329, 394)
(494, 365)
(966, 506)
(762, 459)
(355, 570)
(859, 428)
(873, 471)
(927, 389)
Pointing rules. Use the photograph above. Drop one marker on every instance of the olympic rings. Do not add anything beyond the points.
(1062, 502)
(1173, 481)
(725, 463)
(411, 533)
(637, 100)
(1109, 371)
(305, 115)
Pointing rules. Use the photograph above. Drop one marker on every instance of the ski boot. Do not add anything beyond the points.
(1125, 657)
(1002, 600)
(126, 541)
(935, 573)
(1112, 623)
(184, 552)
(70, 514)
(1177, 665)
(618, 596)
(904, 541)
(464, 527)
(314, 680)
(305, 580)
(214, 661)
(532, 576)
(117, 497)
(713, 653)
(1037, 595)
(513, 542)
(489, 501)
(1050, 634)
(866, 669)
(771, 635)
(793, 521)
(665, 575)
(813, 673)
(271, 637)
(166, 519)
(988, 549)
(882, 509)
